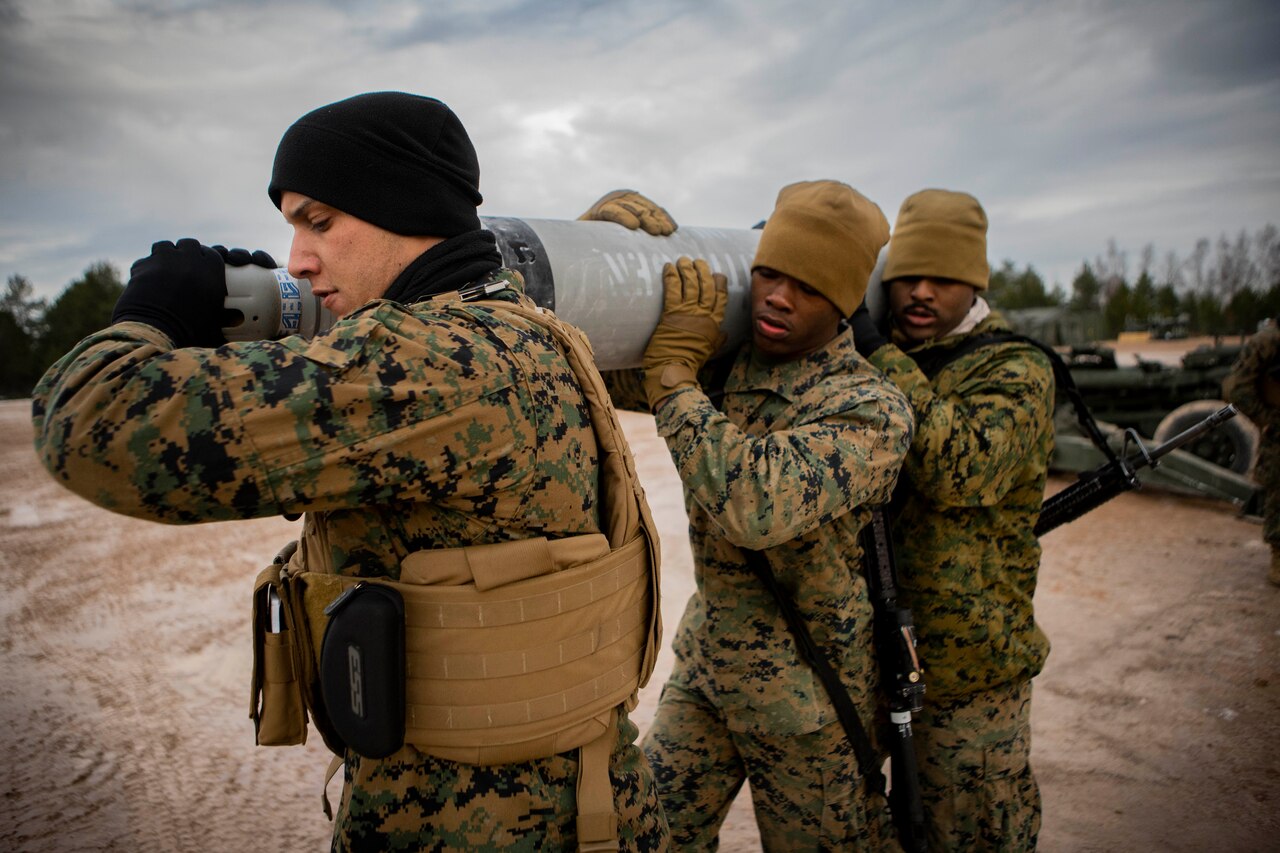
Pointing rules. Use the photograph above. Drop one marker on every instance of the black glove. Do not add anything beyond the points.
(866, 337)
(180, 290)
(242, 257)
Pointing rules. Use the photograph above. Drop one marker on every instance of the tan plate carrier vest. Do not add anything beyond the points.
(514, 651)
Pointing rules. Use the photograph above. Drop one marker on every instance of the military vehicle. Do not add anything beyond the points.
(1157, 401)
(1160, 401)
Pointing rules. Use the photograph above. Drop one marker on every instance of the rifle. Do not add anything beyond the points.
(902, 678)
(1118, 474)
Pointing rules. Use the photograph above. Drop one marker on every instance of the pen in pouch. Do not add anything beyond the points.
(274, 606)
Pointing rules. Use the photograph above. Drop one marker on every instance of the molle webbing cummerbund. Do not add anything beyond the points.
(531, 667)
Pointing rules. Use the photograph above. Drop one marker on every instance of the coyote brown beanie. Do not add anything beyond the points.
(402, 162)
(827, 235)
(940, 234)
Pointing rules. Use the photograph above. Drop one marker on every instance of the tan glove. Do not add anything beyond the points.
(631, 210)
(693, 303)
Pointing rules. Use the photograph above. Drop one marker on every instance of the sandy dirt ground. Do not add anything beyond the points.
(124, 647)
(1129, 352)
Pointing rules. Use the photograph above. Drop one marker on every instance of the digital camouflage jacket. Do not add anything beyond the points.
(791, 466)
(1244, 386)
(962, 520)
(402, 428)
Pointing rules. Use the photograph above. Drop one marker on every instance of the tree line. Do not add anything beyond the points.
(1225, 288)
(34, 334)
(1221, 288)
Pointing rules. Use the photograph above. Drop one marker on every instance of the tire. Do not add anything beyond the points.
(1232, 445)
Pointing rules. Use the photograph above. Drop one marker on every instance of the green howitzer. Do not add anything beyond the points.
(1119, 474)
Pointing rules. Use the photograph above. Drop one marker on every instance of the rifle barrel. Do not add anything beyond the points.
(1188, 435)
(1106, 481)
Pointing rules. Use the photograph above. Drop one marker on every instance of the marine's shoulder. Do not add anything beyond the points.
(1265, 340)
(848, 380)
(994, 339)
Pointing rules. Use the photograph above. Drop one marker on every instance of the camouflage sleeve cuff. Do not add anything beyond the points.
(135, 330)
(684, 407)
(626, 390)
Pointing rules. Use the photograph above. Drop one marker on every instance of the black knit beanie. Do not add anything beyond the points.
(402, 162)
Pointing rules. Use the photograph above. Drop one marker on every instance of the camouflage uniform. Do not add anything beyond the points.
(401, 428)
(1244, 386)
(789, 466)
(972, 487)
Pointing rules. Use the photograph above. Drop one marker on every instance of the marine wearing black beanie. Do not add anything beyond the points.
(402, 162)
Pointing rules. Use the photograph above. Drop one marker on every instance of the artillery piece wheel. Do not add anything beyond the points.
(1232, 445)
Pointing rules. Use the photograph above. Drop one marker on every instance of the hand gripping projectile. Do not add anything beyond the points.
(598, 276)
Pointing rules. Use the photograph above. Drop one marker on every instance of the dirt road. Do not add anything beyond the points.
(125, 653)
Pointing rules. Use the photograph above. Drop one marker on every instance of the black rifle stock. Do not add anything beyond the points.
(901, 677)
(1117, 475)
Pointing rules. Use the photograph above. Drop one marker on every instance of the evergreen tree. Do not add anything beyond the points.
(1115, 315)
(1243, 313)
(1142, 301)
(1012, 290)
(1165, 303)
(1085, 290)
(80, 310)
(20, 326)
(1271, 301)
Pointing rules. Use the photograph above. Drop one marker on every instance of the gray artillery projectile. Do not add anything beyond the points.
(601, 277)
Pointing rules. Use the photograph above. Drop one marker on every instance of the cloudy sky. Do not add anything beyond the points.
(1144, 121)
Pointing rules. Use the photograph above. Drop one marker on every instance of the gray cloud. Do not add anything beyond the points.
(126, 122)
(1223, 46)
(609, 22)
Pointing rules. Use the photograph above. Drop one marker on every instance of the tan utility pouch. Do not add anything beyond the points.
(275, 702)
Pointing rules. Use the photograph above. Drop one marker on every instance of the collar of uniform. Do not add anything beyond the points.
(789, 379)
(510, 287)
(994, 321)
(979, 312)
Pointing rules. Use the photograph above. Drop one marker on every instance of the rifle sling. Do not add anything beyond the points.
(817, 660)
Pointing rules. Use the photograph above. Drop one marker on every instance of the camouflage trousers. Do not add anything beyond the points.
(412, 801)
(1267, 475)
(975, 771)
(807, 790)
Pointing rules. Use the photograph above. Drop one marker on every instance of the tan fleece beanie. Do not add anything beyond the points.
(940, 234)
(827, 235)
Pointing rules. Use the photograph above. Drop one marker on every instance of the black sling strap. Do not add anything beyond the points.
(817, 660)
